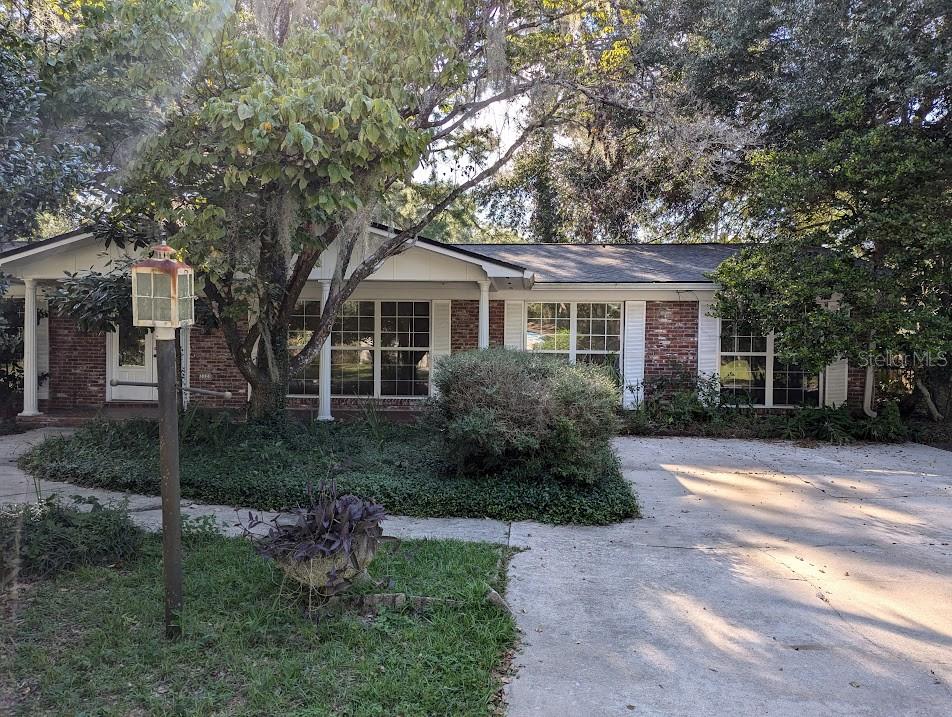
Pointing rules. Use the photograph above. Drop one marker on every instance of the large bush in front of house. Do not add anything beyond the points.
(524, 414)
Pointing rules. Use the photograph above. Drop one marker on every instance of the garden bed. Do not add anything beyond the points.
(91, 641)
(401, 467)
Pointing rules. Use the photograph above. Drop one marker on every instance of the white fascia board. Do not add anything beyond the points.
(626, 286)
(492, 268)
(44, 247)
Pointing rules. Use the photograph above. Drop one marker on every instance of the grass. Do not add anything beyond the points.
(402, 467)
(91, 641)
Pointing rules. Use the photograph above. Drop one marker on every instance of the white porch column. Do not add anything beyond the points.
(484, 314)
(30, 403)
(324, 390)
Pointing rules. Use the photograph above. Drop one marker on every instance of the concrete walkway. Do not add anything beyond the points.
(765, 579)
(17, 487)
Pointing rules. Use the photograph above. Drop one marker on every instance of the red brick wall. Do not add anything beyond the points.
(77, 365)
(855, 386)
(670, 338)
(464, 324)
(497, 323)
(212, 368)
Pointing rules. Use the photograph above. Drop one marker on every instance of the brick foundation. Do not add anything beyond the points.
(464, 324)
(670, 339)
(77, 366)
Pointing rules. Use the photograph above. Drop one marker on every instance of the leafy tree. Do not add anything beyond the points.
(278, 129)
(864, 219)
(39, 172)
(849, 196)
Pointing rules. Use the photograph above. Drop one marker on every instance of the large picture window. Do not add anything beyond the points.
(378, 348)
(751, 374)
(577, 332)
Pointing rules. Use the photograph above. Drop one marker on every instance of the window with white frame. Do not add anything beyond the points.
(575, 331)
(598, 333)
(404, 348)
(548, 327)
(353, 344)
(378, 348)
(751, 373)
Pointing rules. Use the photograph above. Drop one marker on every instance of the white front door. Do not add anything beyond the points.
(132, 358)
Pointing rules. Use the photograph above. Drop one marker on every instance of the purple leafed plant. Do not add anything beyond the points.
(324, 544)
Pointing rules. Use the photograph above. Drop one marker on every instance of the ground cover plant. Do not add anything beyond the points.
(269, 466)
(691, 407)
(43, 539)
(90, 641)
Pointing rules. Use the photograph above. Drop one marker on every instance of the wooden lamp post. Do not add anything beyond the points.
(163, 299)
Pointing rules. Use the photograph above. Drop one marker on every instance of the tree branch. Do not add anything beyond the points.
(342, 288)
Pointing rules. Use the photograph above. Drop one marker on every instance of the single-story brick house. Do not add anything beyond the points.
(644, 308)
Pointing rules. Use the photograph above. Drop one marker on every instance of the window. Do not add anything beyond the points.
(598, 334)
(352, 349)
(743, 364)
(132, 346)
(792, 386)
(548, 327)
(378, 348)
(303, 323)
(586, 331)
(404, 325)
(751, 373)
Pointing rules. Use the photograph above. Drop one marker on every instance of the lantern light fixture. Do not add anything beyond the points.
(163, 291)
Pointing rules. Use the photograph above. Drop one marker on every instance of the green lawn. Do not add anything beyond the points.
(402, 467)
(91, 641)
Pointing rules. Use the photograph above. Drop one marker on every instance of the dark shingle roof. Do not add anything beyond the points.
(611, 263)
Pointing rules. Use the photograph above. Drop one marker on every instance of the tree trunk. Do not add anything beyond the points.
(268, 400)
(270, 389)
(934, 412)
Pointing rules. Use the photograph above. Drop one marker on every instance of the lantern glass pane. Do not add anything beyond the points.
(144, 308)
(162, 286)
(183, 285)
(163, 308)
(185, 309)
(143, 283)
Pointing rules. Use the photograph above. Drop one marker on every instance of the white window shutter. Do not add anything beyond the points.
(633, 354)
(441, 329)
(835, 388)
(708, 340)
(515, 325)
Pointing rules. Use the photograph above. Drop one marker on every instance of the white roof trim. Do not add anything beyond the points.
(44, 246)
(494, 268)
(628, 286)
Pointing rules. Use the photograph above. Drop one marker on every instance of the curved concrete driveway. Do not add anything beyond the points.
(765, 579)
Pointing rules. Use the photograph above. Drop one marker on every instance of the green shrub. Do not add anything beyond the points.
(670, 409)
(399, 466)
(43, 539)
(523, 413)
